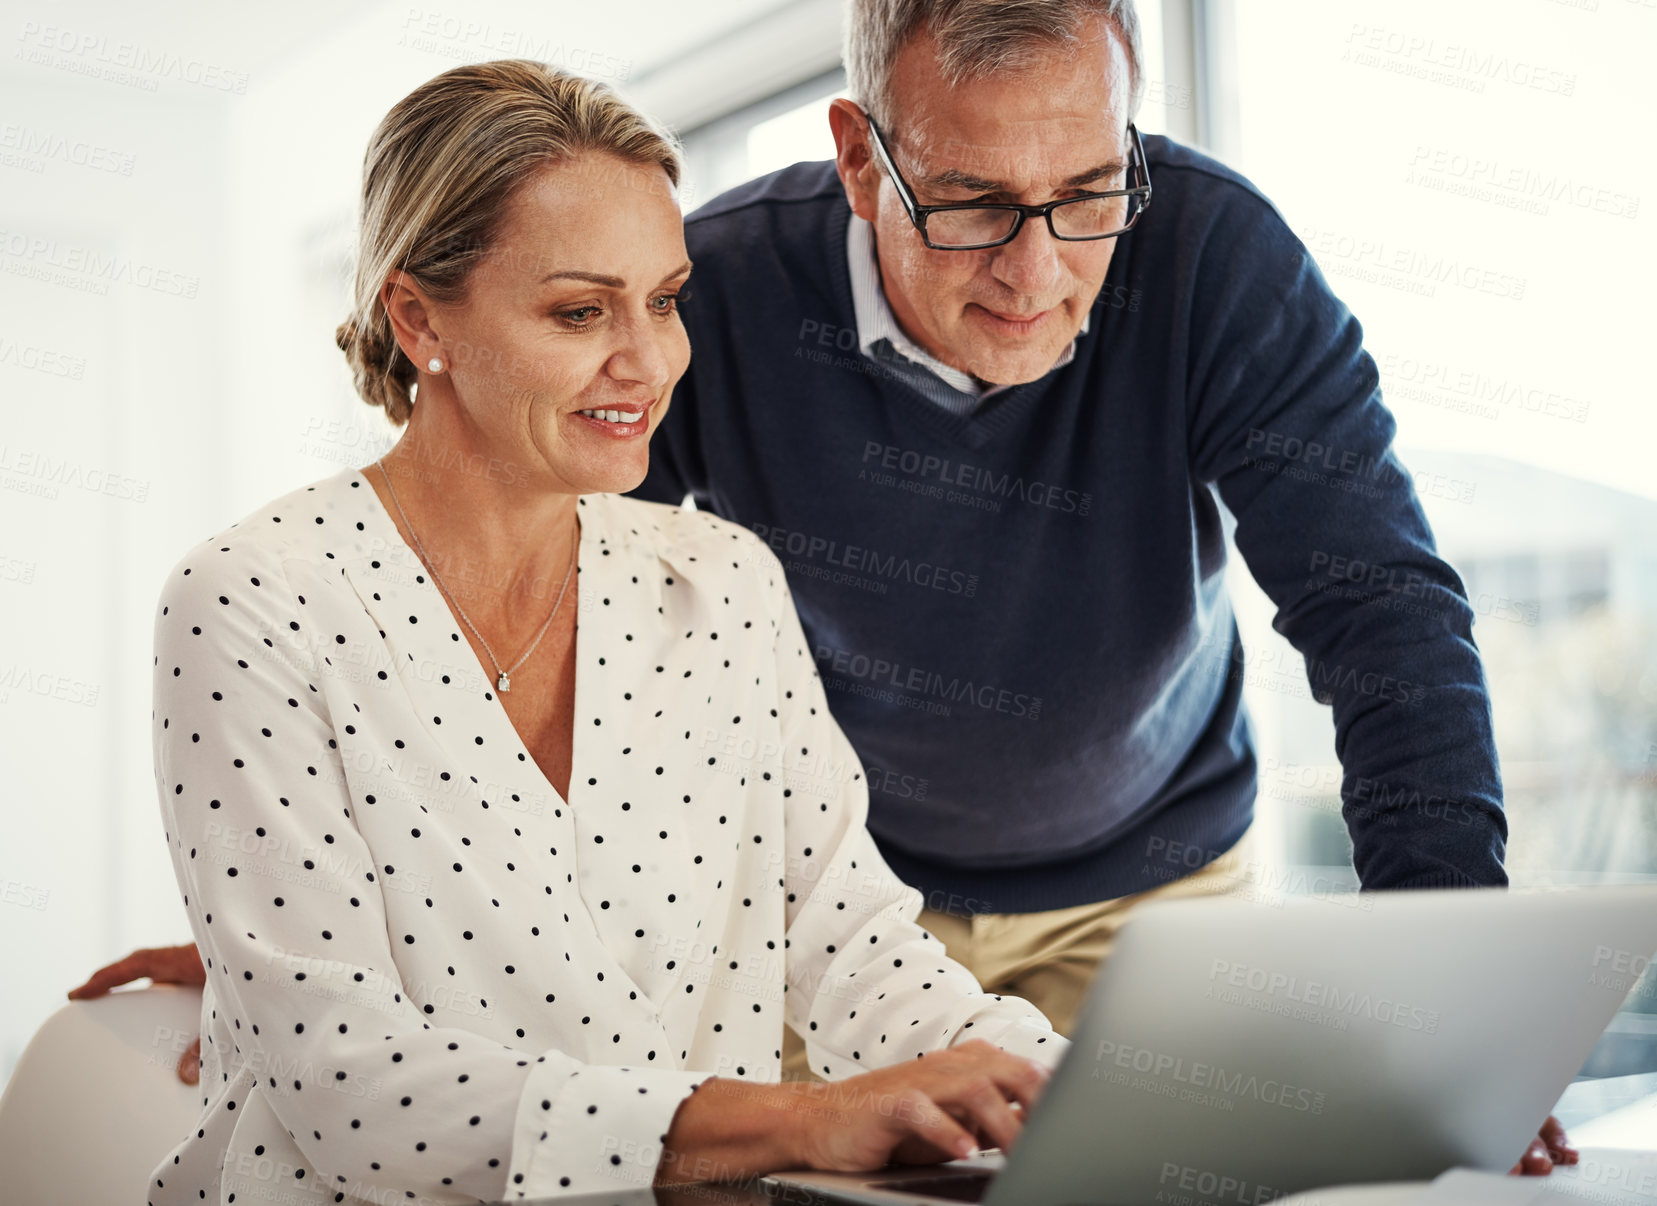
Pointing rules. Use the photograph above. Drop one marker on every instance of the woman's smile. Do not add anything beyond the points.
(624, 422)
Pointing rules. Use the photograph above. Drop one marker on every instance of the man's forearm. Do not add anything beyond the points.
(1392, 653)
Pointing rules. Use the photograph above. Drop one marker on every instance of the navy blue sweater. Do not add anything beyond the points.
(1020, 616)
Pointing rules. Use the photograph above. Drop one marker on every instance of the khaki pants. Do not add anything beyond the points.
(1049, 958)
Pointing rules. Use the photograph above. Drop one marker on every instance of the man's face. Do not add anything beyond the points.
(1056, 127)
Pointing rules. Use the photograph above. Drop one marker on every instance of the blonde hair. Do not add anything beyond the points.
(438, 175)
(975, 38)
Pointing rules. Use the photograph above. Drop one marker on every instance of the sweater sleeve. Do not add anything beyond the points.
(867, 985)
(1286, 419)
(251, 785)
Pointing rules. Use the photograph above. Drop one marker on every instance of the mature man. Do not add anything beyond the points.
(988, 418)
(985, 397)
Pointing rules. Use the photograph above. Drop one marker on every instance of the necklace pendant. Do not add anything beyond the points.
(504, 683)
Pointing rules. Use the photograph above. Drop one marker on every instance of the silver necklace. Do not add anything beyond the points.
(502, 680)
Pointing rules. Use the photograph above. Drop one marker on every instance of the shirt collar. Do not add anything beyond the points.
(875, 320)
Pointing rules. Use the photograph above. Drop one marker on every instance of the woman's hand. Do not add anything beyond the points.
(163, 965)
(942, 1106)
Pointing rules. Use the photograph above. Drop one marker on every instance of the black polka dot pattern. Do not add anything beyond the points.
(428, 974)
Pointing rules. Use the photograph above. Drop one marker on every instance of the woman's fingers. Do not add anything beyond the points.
(1017, 1079)
(977, 1101)
(931, 1125)
(942, 1106)
(978, 1084)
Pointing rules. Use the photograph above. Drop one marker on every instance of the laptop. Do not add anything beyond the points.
(1234, 1051)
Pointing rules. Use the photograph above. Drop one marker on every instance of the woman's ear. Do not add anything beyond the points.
(409, 310)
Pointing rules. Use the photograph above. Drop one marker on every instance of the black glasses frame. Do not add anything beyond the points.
(918, 213)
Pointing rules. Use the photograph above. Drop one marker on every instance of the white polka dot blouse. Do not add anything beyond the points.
(430, 976)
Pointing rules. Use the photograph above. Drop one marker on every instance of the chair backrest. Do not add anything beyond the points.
(95, 1101)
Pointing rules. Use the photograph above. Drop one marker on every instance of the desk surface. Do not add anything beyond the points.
(1616, 1112)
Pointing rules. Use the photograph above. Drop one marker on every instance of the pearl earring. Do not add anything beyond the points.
(435, 365)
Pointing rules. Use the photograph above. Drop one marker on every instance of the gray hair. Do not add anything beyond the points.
(975, 38)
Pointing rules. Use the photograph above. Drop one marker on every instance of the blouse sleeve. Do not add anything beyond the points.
(250, 777)
(867, 985)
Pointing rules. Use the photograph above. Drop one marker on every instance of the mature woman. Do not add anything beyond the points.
(489, 908)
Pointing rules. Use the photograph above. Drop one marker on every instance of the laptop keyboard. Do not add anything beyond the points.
(955, 1187)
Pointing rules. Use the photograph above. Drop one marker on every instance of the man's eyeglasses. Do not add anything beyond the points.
(977, 224)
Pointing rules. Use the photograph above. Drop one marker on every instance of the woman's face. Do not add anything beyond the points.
(571, 321)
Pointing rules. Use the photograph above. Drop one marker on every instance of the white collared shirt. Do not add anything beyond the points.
(430, 974)
(876, 322)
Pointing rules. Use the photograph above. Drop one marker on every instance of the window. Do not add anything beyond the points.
(789, 127)
(1463, 179)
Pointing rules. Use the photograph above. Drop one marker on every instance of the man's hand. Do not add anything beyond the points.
(163, 965)
(1550, 1147)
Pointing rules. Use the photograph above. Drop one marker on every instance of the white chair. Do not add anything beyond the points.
(95, 1101)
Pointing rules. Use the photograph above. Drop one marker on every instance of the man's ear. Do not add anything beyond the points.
(854, 158)
(409, 310)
